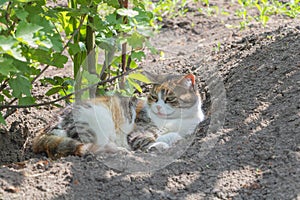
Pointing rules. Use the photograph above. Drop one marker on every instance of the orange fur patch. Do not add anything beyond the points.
(191, 77)
(139, 107)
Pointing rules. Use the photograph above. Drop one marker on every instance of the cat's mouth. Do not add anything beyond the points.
(162, 115)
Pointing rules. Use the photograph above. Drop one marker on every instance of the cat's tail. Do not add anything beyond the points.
(58, 146)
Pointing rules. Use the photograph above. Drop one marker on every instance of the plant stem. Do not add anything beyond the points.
(91, 54)
(124, 4)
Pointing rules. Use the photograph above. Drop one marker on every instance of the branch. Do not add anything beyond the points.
(124, 4)
(67, 96)
(7, 16)
(3, 85)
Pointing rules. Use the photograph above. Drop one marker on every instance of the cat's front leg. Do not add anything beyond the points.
(165, 141)
(141, 142)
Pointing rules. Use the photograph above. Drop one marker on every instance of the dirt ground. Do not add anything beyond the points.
(247, 148)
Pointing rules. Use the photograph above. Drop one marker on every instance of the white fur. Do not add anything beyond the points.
(100, 120)
(169, 138)
(178, 125)
(160, 108)
(59, 132)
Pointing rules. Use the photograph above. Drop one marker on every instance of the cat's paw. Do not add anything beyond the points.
(169, 138)
(158, 147)
(141, 142)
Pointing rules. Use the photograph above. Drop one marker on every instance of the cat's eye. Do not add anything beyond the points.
(153, 97)
(171, 100)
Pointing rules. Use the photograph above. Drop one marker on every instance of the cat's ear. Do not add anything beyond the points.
(188, 81)
(153, 78)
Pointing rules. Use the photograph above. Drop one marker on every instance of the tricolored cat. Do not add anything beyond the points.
(172, 110)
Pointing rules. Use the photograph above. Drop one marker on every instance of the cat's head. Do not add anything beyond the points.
(173, 96)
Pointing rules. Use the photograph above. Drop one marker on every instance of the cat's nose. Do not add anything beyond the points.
(158, 107)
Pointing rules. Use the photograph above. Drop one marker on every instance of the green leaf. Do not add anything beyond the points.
(22, 14)
(26, 68)
(3, 2)
(127, 12)
(41, 56)
(47, 36)
(24, 101)
(2, 120)
(91, 78)
(98, 24)
(136, 40)
(58, 80)
(112, 19)
(47, 25)
(8, 45)
(44, 43)
(144, 17)
(68, 81)
(134, 84)
(53, 90)
(57, 42)
(74, 48)
(48, 80)
(26, 1)
(123, 27)
(25, 32)
(20, 85)
(139, 77)
(35, 8)
(59, 60)
(138, 55)
(133, 65)
(106, 43)
(6, 66)
(145, 31)
(113, 3)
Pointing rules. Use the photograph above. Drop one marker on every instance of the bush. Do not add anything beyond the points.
(35, 35)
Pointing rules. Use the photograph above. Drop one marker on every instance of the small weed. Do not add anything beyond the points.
(167, 8)
(207, 8)
(248, 11)
(253, 10)
(265, 10)
(217, 47)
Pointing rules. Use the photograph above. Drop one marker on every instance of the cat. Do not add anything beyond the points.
(171, 111)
